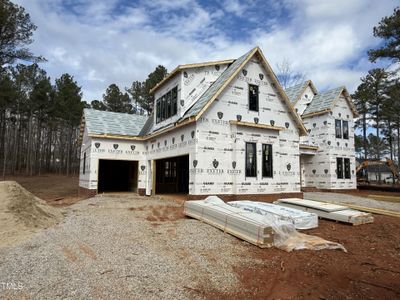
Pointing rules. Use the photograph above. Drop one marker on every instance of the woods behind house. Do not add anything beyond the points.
(40, 116)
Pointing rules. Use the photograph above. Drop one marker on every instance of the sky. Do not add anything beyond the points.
(101, 42)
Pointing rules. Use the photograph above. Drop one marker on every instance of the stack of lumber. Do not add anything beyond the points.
(299, 218)
(242, 224)
(328, 210)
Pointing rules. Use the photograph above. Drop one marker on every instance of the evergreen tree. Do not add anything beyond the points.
(117, 101)
(99, 105)
(388, 30)
(136, 91)
(16, 30)
(147, 99)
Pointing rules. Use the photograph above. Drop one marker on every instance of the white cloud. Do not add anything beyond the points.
(101, 43)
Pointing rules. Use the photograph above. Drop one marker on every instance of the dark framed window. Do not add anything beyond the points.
(84, 163)
(251, 160)
(347, 172)
(346, 130)
(253, 97)
(158, 109)
(167, 105)
(339, 167)
(338, 129)
(174, 101)
(267, 160)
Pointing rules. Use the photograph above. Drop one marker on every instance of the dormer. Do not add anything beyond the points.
(301, 95)
(177, 92)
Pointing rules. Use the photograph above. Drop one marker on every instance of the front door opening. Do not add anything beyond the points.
(172, 175)
(117, 176)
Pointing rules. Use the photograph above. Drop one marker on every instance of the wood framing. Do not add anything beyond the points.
(189, 66)
(254, 125)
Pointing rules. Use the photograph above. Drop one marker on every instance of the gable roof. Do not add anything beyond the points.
(106, 122)
(294, 93)
(324, 102)
(121, 124)
(215, 90)
(189, 66)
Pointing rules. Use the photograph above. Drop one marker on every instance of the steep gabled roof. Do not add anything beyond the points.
(215, 90)
(106, 122)
(189, 66)
(120, 124)
(324, 102)
(219, 84)
(294, 93)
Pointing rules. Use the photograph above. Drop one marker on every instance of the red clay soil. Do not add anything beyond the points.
(369, 270)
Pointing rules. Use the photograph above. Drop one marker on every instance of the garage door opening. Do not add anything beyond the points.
(172, 175)
(117, 176)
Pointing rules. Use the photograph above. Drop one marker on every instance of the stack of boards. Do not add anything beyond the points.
(300, 219)
(242, 224)
(328, 210)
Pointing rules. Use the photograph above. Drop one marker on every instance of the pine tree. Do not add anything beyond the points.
(388, 30)
(117, 101)
(16, 30)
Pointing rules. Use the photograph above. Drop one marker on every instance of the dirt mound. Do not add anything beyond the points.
(22, 213)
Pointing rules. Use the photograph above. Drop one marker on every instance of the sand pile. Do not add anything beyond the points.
(22, 213)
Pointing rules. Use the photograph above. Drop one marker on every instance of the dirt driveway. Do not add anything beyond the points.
(130, 247)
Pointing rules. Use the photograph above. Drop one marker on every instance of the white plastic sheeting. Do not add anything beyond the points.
(300, 219)
(285, 236)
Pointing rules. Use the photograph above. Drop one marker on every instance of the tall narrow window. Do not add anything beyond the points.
(84, 163)
(169, 112)
(174, 101)
(339, 167)
(346, 130)
(251, 160)
(347, 173)
(163, 109)
(266, 160)
(338, 128)
(253, 97)
(158, 108)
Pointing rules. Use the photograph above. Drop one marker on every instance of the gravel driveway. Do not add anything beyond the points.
(123, 247)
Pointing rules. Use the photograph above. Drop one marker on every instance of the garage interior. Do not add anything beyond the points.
(117, 176)
(172, 175)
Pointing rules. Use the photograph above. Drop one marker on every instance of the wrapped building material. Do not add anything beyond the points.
(245, 225)
(300, 219)
(261, 230)
(328, 211)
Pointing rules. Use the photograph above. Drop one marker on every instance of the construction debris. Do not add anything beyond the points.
(328, 210)
(261, 230)
(300, 219)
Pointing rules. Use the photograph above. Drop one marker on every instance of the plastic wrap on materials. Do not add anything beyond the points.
(300, 219)
(286, 236)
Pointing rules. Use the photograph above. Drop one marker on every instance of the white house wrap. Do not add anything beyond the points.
(222, 128)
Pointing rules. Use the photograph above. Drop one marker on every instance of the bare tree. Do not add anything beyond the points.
(287, 76)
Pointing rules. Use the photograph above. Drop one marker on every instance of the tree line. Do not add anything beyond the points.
(377, 98)
(40, 118)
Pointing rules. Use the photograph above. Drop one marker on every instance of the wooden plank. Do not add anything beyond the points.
(244, 225)
(353, 217)
(254, 125)
(324, 206)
